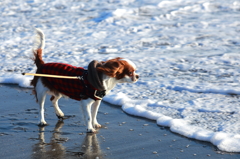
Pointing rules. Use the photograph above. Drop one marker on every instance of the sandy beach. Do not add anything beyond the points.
(122, 135)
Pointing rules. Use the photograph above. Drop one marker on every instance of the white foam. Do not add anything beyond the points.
(16, 79)
(119, 12)
(164, 4)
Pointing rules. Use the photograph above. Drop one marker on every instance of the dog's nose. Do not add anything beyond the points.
(137, 76)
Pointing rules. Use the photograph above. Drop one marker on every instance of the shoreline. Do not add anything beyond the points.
(122, 135)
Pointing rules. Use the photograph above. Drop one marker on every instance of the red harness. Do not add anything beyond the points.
(77, 89)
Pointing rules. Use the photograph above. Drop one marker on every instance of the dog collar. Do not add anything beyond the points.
(97, 94)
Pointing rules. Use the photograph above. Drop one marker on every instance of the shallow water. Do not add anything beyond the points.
(121, 135)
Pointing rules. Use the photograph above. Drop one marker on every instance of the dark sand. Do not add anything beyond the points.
(122, 136)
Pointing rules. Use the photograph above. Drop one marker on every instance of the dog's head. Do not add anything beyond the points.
(121, 69)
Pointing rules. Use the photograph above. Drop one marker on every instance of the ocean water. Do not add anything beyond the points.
(187, 53)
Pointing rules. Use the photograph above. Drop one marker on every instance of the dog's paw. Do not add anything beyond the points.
(42, 123)
(91, 130)
(60, 117)
(97, 125)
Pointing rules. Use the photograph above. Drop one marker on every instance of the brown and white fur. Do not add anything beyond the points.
(114, 71)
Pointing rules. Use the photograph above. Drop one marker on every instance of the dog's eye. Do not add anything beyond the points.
(130, 73)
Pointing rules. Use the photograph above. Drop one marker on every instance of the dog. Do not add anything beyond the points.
(91, 86)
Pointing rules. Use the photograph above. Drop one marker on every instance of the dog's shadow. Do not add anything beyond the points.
(89, 147)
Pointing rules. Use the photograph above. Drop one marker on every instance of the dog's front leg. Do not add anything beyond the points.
(87, 105)
(95, 106)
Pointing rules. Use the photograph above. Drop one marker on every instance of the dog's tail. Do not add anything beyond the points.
(38, 47)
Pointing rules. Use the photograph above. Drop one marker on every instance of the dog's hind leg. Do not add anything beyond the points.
(41, 96)
(58, 111)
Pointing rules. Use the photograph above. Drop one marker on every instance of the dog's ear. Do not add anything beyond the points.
(111, 67)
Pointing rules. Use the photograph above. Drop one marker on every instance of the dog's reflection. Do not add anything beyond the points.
(89, 148)
(53, 148)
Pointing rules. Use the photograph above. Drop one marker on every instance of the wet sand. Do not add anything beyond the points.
(122, 135)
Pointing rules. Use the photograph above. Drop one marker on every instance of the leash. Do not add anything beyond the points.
(52, 76)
